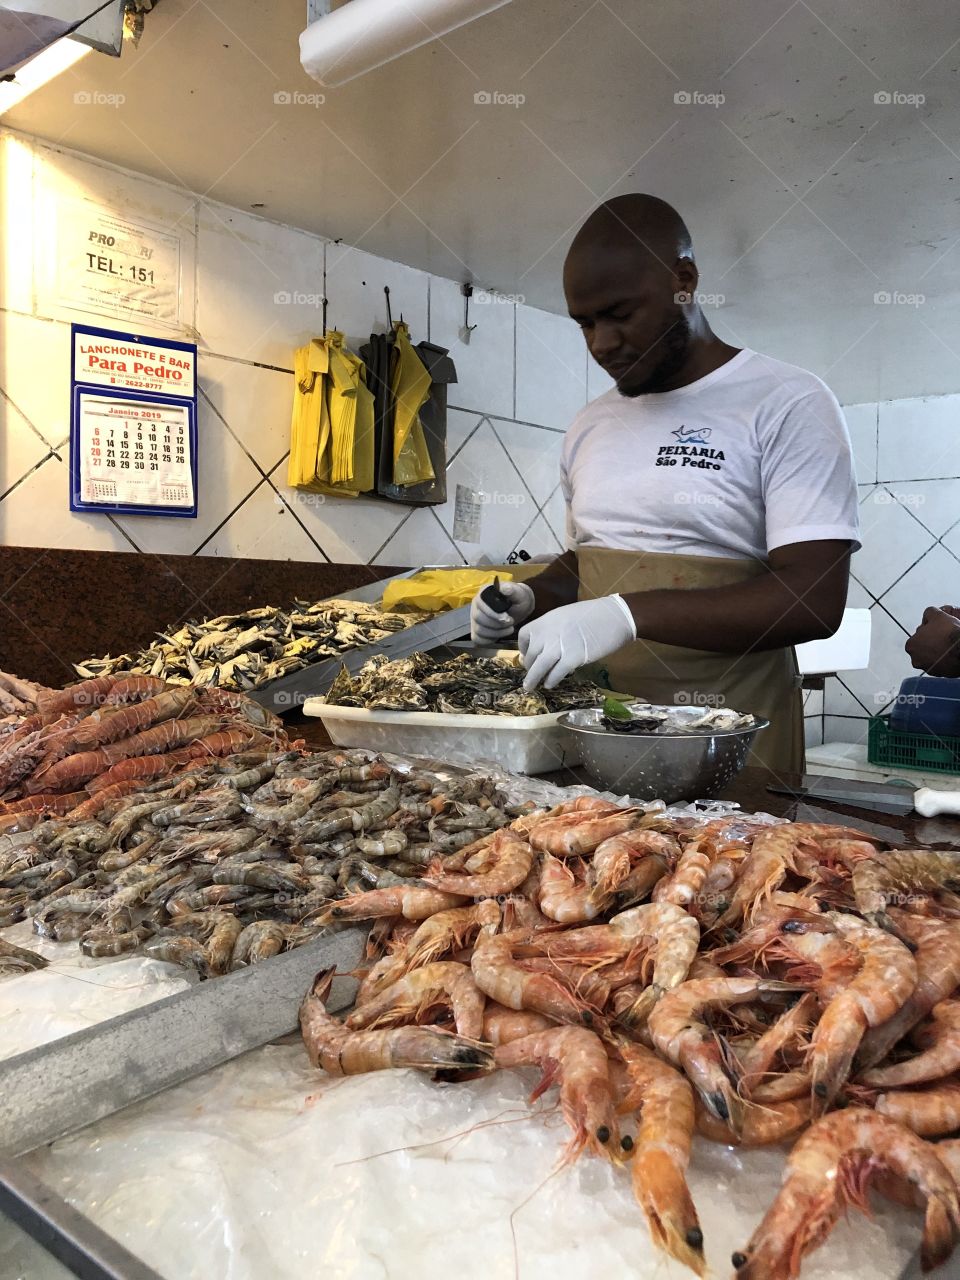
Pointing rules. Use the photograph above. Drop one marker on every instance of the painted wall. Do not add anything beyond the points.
(251, 292)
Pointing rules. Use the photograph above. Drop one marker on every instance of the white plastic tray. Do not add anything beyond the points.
(519, 744)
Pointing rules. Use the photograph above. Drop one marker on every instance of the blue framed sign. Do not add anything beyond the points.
(133, 424)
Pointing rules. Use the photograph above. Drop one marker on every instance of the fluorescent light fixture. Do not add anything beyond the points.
(364, 34)
(46, 66)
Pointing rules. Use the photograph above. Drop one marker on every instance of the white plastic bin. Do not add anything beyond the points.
(520, 744)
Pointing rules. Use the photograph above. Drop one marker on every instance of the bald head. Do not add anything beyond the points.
(628, 277)
(643, 225)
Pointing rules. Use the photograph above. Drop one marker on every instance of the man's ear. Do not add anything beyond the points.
(687, 277)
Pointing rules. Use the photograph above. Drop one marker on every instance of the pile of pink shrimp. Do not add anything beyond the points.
(728, 979)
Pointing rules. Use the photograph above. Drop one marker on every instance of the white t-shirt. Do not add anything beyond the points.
(753, 456)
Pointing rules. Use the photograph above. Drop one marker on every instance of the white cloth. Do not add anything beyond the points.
(754, 456)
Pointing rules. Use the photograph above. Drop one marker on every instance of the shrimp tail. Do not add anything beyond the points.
(940, 1233)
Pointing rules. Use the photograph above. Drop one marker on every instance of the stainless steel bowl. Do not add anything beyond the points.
(659, 766)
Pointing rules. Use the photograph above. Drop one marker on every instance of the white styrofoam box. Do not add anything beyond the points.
(37, 514)
(538, 540)
(35, 372)
(862, 425)
(551, 368)
(536, 454)
(225, 477)
(892, 541)
(421, 539)
(16, 212)
(598, 380)
(349, 530)
(935, 580)
(259, 286)
(255, 403)
(919, 439)
(484, 360)
(61, 182)
(356, 304)
(519, 744)
(880, 682)
(847, 649)
(263, 529)
(21, 449)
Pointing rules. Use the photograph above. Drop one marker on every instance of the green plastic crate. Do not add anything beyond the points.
(891, 747)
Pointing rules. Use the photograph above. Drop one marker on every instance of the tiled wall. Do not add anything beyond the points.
(908, 466)
(522, 377)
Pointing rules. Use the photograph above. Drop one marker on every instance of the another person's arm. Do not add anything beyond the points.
(935, 645)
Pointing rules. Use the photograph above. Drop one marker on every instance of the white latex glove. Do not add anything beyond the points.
(487, 626)
(568, 637)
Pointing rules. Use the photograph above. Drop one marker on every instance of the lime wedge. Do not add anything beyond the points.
(616, 710)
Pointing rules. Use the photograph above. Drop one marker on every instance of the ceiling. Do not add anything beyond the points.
(807, 197)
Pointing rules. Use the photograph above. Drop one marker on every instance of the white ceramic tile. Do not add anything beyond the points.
(259, 286)
(857, 596)
(535, 453)
(419, 541)
(892, 541)
(355, 300)
(935, 503)
(349, 530)
(934, 580)
(878, 683)
(35, 372)
(64, 182)
(225, 477)
(482, 465)
(598, 380)
(37, 514)
(484, 359)
(862, 425)
(551, 368)
(919, 439)
(555, 511)
(845, 729)
(255, 404)
(20, 448)
(952, 541)
(460, 426)
(538, 540)
(16, 212)
(813, 731)
(264, 528)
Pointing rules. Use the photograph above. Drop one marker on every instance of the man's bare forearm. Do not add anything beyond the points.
(558, 584)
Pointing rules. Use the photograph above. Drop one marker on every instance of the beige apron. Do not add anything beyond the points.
(766, 684)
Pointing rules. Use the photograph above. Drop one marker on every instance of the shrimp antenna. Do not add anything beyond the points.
(523, 1203)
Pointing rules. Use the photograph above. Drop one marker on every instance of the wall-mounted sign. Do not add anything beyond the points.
(133, 424)
(115, 265)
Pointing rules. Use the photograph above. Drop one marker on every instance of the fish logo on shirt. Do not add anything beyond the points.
(692, 435)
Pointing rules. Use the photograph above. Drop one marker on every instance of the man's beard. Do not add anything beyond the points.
(673, 347)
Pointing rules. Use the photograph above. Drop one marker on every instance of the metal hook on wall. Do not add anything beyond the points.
(468, 328)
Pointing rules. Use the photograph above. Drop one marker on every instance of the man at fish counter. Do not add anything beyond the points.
(711, 498)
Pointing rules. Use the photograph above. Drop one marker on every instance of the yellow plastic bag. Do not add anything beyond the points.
(410, 386)
(437, 589)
